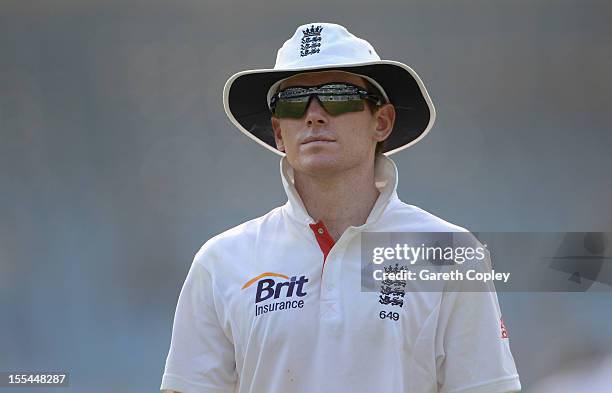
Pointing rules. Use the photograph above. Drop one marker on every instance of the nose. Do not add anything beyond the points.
(315, 114)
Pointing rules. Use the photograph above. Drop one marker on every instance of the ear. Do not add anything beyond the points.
(385, 119)
(278, 137)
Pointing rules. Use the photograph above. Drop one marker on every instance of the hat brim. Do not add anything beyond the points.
(245, 101)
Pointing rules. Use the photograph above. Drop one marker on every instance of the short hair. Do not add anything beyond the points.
(380, 146)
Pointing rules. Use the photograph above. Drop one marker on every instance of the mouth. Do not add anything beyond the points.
(317, 139)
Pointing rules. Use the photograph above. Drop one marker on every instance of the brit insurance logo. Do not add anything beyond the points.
(277, 292)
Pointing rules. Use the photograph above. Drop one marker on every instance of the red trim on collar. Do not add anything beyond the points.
(326, 242)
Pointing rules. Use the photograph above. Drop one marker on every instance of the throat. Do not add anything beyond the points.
(339, 205)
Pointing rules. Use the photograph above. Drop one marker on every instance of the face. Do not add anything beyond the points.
(321, 144)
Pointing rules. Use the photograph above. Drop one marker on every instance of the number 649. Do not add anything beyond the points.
(389, 315)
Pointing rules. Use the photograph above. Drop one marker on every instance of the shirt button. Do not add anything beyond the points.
(320, 230)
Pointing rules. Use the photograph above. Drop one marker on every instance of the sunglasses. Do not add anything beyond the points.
(336, 98)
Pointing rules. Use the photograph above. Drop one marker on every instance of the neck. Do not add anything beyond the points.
(339, 200)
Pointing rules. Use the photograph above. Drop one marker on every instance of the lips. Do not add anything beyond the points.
(317, 138)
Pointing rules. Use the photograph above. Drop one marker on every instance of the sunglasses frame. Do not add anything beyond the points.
(310, 91)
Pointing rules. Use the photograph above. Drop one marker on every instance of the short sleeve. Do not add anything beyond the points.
(472, 345)
(201, 357)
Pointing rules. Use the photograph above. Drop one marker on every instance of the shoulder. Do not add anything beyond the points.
(412, 218)
(237, 242)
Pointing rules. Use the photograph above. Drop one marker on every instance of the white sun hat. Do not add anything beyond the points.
(324, 47)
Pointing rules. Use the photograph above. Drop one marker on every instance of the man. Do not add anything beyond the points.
(276, 304)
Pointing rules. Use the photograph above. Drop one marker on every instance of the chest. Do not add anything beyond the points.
(286, 299)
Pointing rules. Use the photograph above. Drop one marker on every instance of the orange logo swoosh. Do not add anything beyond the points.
(262, 275)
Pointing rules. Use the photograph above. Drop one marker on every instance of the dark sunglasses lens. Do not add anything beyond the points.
(336, 108)
(335, 98)
(292, 109)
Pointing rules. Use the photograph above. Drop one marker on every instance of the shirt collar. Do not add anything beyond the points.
(385, 177)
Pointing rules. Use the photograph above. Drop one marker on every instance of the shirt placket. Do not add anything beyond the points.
(330, 298)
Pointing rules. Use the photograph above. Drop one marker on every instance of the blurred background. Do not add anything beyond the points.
(117, 161)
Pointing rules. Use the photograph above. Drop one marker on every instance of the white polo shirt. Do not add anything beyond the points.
(275, 306)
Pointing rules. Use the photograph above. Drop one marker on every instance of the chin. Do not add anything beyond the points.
(319, 163)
